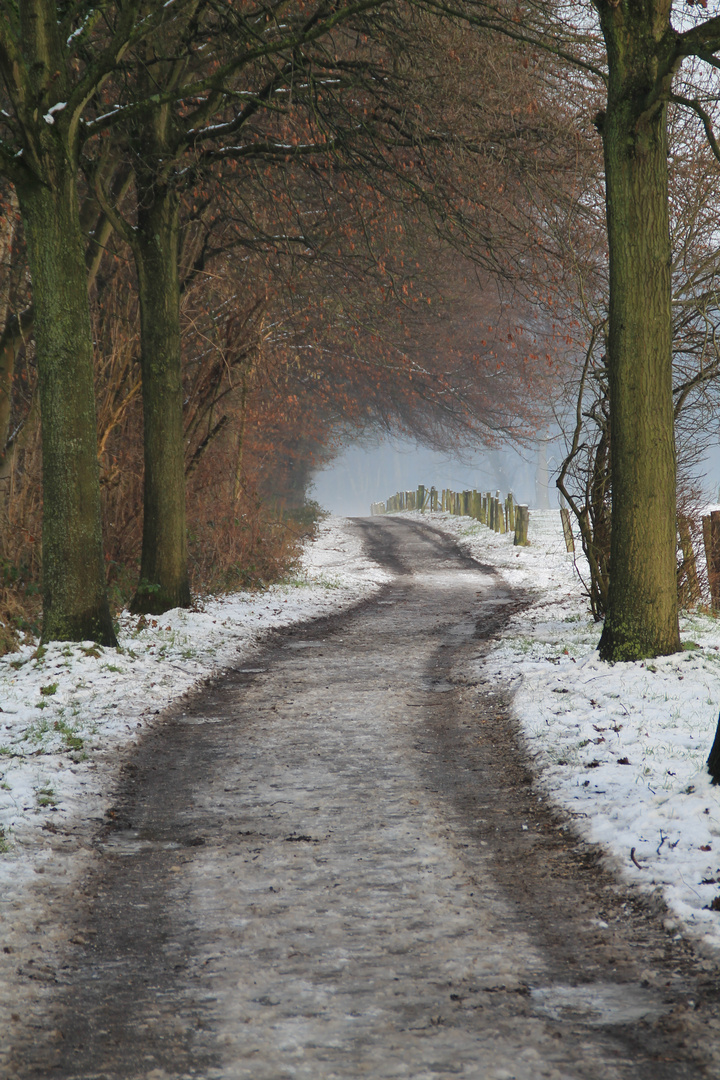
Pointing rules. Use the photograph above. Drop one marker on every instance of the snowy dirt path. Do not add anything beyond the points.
(332, 864)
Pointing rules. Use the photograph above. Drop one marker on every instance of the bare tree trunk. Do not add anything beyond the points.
(74, 590)
(642, 616)
(7, 354)
(164, 581)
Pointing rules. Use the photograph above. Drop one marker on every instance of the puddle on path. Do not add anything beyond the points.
(598, 1004)
(128, 842)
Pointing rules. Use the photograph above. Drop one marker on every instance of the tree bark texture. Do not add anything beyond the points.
(642, 616)
(74, 588)
(164, 581)
(7, 352)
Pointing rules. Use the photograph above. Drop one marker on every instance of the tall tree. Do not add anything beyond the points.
(47, 95)
(188, 97)
(643, 53)
(242, 91)
(642, 617)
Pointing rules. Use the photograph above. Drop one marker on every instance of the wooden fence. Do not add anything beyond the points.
(505, 515)
(711, 540)
(500, 515)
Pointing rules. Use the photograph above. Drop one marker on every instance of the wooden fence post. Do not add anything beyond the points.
(567, 529)
(511, 512)
(688, 580)
(711, 536)
(522, 520)
(499, 515)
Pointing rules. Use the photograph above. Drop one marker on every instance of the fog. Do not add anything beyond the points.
(361, 475)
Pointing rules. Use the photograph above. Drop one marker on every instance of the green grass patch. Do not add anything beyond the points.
(72, 740)
(45, 797)
(37, 731)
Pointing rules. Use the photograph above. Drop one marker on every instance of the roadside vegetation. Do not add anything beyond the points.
(233, 241)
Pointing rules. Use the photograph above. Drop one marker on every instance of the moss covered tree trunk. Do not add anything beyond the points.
(642, 617)
(43, 168)
(74, 589)
(164, 582)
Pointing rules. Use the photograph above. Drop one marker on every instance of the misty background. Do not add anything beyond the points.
(363, 474)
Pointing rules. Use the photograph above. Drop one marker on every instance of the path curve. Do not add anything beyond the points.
(332, 864)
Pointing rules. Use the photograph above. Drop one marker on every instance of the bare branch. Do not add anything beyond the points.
(694, 104)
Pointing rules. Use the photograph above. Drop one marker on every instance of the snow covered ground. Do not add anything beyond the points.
(66, 710)
(622, 747)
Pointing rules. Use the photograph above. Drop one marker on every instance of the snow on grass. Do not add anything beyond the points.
(622, 747)
(64, 707)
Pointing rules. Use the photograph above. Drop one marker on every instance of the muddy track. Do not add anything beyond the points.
(332, 863)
